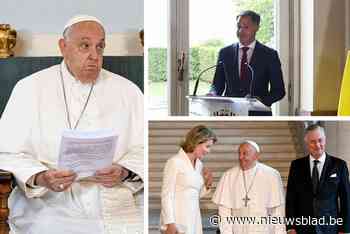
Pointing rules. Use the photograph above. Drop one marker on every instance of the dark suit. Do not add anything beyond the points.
(331, 200)
(267, 71)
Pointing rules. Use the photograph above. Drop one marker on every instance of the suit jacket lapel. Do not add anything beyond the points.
(231, 66)
(325, 170)
(235, 58)
(255, 55)
(307, 171)
(254, 63)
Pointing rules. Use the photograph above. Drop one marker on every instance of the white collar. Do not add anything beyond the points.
(251, 45)
(188, 160)
(250, 170)
(71, 80)
(322, 159)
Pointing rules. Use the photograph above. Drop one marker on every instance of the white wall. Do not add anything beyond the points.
(322, 53)
(338, 134)
(329, 52)
(39, 23)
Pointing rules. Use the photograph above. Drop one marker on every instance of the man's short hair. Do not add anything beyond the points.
(255, 17)
(314, 127)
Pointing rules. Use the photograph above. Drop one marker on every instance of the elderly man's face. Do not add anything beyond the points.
(315, 143)
(246, 30)
(247, 156)
(82, 50)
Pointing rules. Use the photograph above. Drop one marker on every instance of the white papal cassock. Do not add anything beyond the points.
(266, 199)
(30, 135)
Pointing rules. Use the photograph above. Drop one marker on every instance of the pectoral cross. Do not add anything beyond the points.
(246, 199)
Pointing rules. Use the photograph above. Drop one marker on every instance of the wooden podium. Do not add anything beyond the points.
(224, 106)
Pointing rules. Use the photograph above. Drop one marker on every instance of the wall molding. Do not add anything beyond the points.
(35, 45)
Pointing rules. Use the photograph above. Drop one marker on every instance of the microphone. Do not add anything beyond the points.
(200, 74)
(250, 95)
(226, 77)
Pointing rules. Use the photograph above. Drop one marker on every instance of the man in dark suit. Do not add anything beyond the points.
(318, 189)
(249, 67)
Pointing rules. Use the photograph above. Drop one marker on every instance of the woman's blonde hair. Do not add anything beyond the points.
(197, 135)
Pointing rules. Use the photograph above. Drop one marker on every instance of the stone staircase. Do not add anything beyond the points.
(277, 140)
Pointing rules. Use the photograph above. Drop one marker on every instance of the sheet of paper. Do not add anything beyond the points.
(84, 152)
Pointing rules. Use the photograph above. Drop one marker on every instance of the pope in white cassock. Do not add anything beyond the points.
(76, 94)
(251, 189)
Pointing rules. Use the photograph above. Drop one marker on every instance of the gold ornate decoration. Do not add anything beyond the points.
(7, 40)
(141, 37)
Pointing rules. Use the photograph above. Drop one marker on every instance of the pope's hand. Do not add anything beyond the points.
(110, 176)
(208, 177)
(171, 229)
(55, 180)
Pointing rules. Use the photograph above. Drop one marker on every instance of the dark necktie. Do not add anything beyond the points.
(244, 63)
(315, 177)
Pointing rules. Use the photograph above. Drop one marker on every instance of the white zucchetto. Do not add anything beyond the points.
(254, 144)
(81, 18)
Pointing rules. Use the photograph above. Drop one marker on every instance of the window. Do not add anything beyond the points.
(203, 27)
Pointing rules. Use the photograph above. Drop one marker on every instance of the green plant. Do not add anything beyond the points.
(265, 8)
(157, 64)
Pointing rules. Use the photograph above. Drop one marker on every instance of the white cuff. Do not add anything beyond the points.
(31, 190)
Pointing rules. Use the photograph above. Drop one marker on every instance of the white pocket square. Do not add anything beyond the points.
(333, 175)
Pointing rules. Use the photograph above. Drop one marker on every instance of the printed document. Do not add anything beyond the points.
(85, 152)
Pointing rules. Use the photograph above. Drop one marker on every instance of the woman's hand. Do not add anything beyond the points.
(208, 177)
(171, 229)
(55, 180)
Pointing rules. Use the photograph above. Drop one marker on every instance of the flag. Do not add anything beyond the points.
(344, 99)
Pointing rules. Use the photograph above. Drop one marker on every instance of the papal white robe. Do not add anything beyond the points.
(30, 135)
(182, 187)
(266, 199)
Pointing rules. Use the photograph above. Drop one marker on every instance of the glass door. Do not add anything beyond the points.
(183, 38)
(157, 47)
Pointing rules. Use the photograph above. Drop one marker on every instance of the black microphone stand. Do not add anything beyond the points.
(200, 74)
(250, 95)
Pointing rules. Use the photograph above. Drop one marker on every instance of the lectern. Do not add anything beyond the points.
(224, 106)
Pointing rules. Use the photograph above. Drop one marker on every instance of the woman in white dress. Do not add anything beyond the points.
(184, 182)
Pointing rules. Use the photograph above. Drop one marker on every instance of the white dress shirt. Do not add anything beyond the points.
(249, 54)
(320, 165)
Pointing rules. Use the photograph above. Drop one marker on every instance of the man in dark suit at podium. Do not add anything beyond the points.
(318, 190)
(249, 67)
